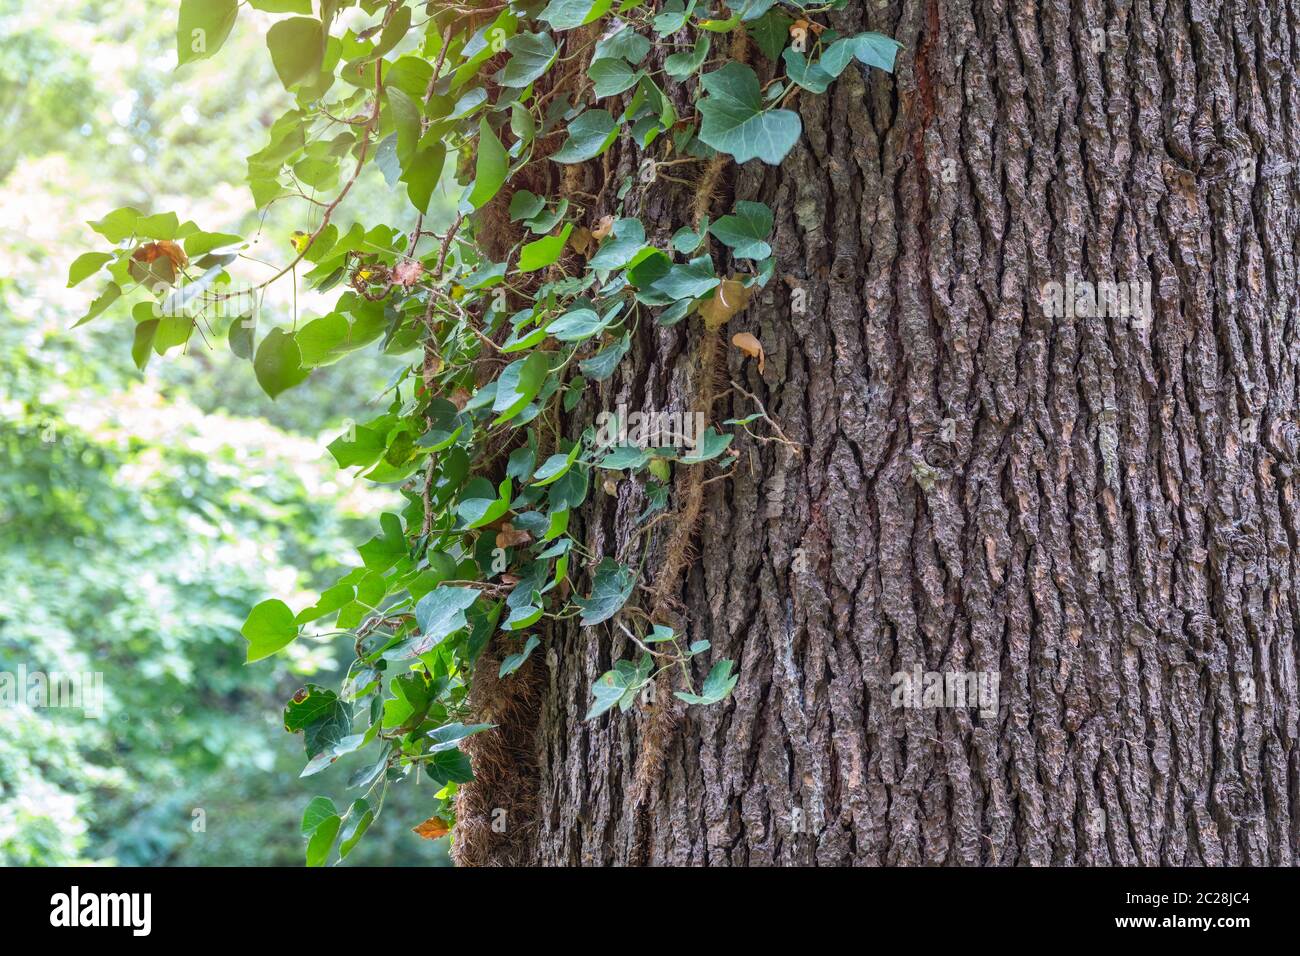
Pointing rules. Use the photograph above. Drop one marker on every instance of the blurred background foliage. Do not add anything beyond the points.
(141, 515)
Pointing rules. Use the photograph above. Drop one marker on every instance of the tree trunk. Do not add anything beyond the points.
(1100, 510)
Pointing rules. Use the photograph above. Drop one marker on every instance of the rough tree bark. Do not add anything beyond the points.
(1104, 514)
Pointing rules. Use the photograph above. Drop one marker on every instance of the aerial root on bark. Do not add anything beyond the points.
(496, 812)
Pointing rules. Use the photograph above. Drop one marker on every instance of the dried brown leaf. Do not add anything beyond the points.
(751, 346)
(432, 828)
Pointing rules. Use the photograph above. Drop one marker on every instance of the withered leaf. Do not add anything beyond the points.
(432, 828)
(751, 346)
(509, 537)
(582, 241)
(153, 250)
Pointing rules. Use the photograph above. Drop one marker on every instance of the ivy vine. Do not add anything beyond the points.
(470, 433)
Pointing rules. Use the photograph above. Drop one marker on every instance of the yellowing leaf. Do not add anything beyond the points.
(583, 241)
(731, 297)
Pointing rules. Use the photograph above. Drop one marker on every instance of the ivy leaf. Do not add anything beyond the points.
(118, 225)
(521, 340)
(319, 715)
(324, 340)
(626, 44)
(531, 55)
(202, 28)
(480, 47)
(449, 766)
(753, 9)
(811, 76)
(873, 49)
(876, 49)
(297, 49)
(647, 267)
(624, 458)
(558, 525)
(317, 812)
(620, 685)
(545, 221)
(441, 612)
(686, 240)
(734, 121)
(717, 686)
(687, 280)
(601, 365)
(384, 550)
(770, 31)
(555, 466)
(468, 103)
(570, 491)
(681, 65)
(616, 252)
(268, 628)
(476, 512)
(543, 252)
(522, 124)
(720, 26)
(490, 167)
(200, 243)
(838, 55)
(421, 174)
(570, 14)
(278, 365)
(281, 6)
(525, 205)
(611, 76)
(576, 325)
(142, 342)
(610, 589)
(513, 662)
(589, 135)
(486, 275)
(361, 446)
(448, 736)
(676, 312)
(163, 225)
(410, 701)
(398, 26)
(522, 617)
(745, 232)
(518, 384)
(360, 816)
(520, 463)
(710, 445)
(659, 634)
(86, 265)
(322, 841)
(673, 16)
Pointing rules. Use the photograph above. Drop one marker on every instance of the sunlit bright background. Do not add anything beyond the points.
(142, 514)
